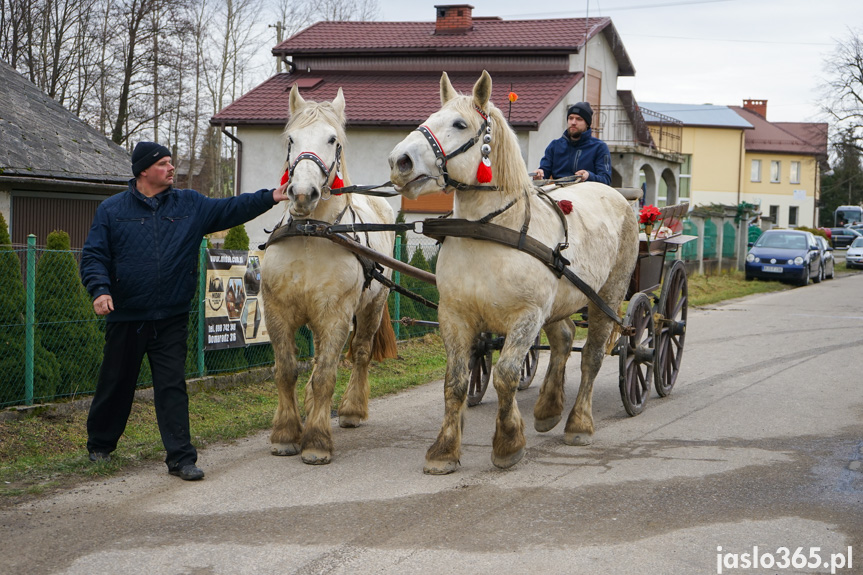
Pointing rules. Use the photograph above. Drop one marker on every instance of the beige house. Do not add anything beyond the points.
(733, 154)
(390, 72)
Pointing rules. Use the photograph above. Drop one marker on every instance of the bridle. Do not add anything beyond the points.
(337, 162)
(442, 158)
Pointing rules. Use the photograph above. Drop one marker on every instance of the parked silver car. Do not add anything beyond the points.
(826, 257)
(854, 255)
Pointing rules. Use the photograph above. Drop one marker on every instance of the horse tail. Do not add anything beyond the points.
(384, 344)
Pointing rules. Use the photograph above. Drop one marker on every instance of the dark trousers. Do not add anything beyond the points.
(164, 342)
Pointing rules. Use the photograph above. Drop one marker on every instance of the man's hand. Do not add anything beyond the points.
(538, 174)
(103, 305)
(583, 174)
(279, 194)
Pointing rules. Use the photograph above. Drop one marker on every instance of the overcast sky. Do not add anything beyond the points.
(702, 51)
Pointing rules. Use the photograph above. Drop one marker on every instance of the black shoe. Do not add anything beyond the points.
(188, 472)
(97, 456)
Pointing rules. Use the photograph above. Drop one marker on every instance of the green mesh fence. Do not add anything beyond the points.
(420, 254)
(51, 340)
(729, 239)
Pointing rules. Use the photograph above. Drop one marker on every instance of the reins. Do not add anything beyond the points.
(440, 229)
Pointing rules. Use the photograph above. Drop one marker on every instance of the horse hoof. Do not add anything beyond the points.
(284, 449)
(316, 457)
(543, 425)
(578, 438)
(349, 421)
(440, 467)
(508, 461)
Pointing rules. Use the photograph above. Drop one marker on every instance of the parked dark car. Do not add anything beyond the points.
(785, 255)
(842, 237)
(827, 263)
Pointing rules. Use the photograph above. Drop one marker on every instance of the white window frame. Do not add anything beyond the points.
(794, 174)
(685, 178)
(775, 171)
(755, 172)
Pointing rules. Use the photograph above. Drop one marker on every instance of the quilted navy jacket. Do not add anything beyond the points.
(144, 251)
(563, 157)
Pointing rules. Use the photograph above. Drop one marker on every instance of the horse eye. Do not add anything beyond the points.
(460, 124)
(332, 140)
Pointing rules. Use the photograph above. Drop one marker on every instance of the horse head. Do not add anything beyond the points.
(315, 135)
(466, 145)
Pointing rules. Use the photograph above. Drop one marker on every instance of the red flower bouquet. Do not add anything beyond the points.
(649, 215)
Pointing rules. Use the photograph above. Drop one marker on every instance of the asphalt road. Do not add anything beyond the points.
(760, 444)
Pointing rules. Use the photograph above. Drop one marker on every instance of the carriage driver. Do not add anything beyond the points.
(140, 264)
(577, 152)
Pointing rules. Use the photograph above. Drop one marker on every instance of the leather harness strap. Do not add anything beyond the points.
(460, 228)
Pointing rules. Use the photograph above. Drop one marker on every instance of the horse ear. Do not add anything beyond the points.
(339, 103)
(482, 90)
(295, 102)
(447, 92)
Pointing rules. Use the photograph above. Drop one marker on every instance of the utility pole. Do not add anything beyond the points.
(279, 29)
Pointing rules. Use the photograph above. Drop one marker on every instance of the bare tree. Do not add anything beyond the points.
(131, 20)
(844, 89)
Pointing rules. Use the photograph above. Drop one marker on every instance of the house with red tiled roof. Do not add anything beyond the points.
(390, 72)
(784, 161)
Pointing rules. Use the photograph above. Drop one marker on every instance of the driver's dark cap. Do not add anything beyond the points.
(581, 109)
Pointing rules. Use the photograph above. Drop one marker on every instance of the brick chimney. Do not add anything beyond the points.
(757, 106)
(453, 18)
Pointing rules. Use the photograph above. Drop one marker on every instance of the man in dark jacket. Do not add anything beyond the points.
(140, 264)
(577, 152)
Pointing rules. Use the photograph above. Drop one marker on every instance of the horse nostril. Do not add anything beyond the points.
(290, 191)
(315, 194)
(404, 163)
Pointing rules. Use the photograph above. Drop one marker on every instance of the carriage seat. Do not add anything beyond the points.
(631, 194)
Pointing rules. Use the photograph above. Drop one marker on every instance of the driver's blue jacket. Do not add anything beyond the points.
(563, 157)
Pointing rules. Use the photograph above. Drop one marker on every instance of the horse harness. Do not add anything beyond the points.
(441, 158)
(319, 228)
(318, 161)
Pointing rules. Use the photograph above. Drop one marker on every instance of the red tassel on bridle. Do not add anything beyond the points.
(483, 171)
(285, 177)
(337, 181)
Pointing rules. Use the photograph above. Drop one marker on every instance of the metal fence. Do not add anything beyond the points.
(51, 340)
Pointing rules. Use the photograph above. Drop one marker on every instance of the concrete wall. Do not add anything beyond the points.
(717, 156)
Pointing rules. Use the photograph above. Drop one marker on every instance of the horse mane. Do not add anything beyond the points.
(320, 112)
(509, 171)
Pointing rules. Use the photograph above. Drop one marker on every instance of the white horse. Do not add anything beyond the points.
(310, 280)
(488, 287)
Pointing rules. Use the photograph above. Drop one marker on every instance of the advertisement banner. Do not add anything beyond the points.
(234, 310)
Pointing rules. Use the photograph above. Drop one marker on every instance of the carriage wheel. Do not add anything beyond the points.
(480, 369)
(636, 353)
(670, 328)
(528, 367)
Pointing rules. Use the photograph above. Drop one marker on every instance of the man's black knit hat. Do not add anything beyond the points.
(146, 154)
(581, 109)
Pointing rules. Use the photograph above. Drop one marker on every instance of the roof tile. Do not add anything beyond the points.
(783, 137)
(566, 34)
(397, 99)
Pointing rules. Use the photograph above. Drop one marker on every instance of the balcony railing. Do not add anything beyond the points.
(626, 126)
